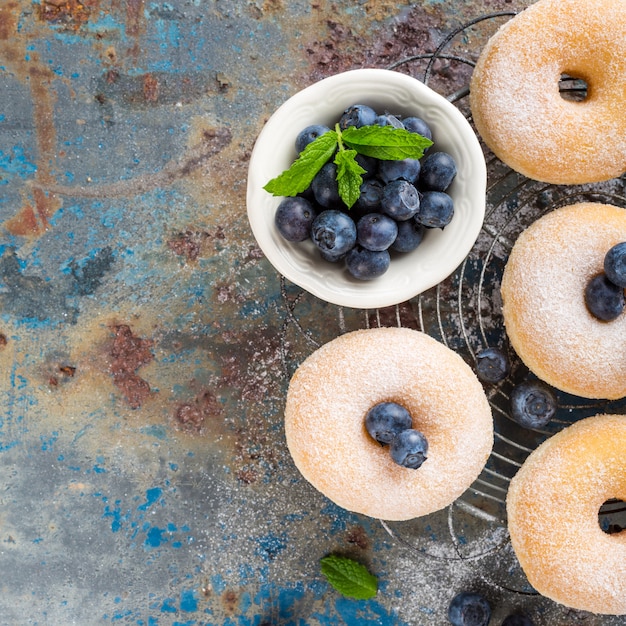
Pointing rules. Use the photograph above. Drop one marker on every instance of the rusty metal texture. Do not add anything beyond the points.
(146, 344)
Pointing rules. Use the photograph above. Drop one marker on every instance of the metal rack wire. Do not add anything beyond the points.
(464, 313)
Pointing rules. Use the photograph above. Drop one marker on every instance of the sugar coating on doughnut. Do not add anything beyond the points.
(546, 319)
(515, 100)
(330, 394)
(552, 507)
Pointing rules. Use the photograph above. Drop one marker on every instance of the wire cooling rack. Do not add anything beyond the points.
(464, 313)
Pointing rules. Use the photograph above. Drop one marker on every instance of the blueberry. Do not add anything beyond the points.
(367, 264)
(469, 609)
(369, 164)
(417, 125)
(294, 217)
(436, 209)
(308, 135)
(532, 403)
(410, 235)
(400, 200)
(385, 420)
(333, 232)
(325, 187)
(358, 115)
(492, 365)
(386, 119)
(408, 448)
(517, 620)
(376, 232)
(438, 171)
(403, 169)
(615, 264)
(604, 299)
(371, 194)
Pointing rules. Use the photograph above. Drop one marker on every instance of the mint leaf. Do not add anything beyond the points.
(349, 176)
(302, 171)
(385, 142)
(349, 577)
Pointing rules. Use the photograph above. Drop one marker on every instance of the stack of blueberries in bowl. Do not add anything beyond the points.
(398, 199)
(318, 146)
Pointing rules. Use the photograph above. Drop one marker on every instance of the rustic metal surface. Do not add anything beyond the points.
(146, 345)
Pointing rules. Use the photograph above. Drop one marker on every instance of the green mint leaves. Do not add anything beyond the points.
(349, 577)
(349, 176)
(385, 142)
(302, 171)
(381, 142)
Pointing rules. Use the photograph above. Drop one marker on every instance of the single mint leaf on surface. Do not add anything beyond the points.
(302, 171)
(385, 142)
(349, 176)
(349, 577)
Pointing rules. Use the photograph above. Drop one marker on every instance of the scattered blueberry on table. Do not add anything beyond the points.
(469, 609)
(533, 404)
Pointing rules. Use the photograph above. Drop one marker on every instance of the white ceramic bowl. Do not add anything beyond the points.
(441, 251)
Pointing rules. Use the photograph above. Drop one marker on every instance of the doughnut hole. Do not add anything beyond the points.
(573, 88)
(612, 516)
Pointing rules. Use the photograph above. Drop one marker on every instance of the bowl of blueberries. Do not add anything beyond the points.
(366, 188)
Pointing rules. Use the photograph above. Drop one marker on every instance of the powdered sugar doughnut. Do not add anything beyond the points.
(543, 302)
(552, 507)
(333, 389)
(515, 100)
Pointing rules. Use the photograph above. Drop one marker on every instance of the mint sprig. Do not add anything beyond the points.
(349, 577)
(382, 142)
(302, 171)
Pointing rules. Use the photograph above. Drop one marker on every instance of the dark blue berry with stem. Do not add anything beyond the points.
(333, 232)
(532, 404)
(376, 232)
(438, 171)
(469, 609)
(409, 448)
(365, 264)
(309, 135)
(604, 299)
(436, 209)
(492, 365)
(410, 235)
(294, 218)
(358, 115)
(615, 264)
(400, 200)
(385, 420)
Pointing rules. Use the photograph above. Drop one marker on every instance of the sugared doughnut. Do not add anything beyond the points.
(552, 507)
(515, 99)
(543, 301)
(333, 389)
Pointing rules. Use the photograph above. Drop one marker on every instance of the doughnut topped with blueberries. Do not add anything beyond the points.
(388, 422)
(563, 299)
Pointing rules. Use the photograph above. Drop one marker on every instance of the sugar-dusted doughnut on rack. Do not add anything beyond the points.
(515, 99)
(334, 388)
(543, 301)
(552, 507)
